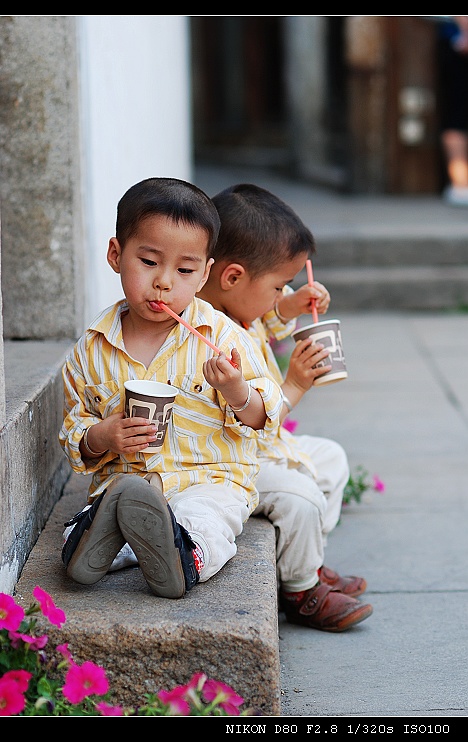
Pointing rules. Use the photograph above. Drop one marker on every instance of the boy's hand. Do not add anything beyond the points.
(221, 375)
(293, 305)
(225, 374)
(246, 403)
(301, 374)
(322, 301)
(121, 435)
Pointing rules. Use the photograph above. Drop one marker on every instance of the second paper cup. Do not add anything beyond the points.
(328, 333)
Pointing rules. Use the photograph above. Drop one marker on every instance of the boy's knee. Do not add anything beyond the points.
(339, 458)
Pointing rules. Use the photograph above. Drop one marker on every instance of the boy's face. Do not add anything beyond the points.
(165, 262)
(254, 297)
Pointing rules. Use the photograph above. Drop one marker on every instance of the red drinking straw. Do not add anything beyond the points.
(192, 329)
(310, 280)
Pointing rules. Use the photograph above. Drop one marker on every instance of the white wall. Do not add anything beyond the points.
(136, 123)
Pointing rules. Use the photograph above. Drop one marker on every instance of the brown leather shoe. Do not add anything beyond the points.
(352, 586)
(325, 608)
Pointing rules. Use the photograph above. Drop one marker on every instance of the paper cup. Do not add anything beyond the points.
(152, 400)
(328, 333)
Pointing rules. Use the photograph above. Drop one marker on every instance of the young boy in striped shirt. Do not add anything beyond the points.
(179, 510)
(261, 246)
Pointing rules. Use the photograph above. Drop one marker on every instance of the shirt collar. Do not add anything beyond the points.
(199, 313)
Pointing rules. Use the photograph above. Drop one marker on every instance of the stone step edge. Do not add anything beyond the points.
(389, 274)
(226, 627)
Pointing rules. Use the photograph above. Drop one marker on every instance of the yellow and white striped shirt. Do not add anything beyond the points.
(286, 446)
(204, 442)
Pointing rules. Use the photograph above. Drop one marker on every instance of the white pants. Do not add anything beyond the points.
(303, 510)
(212, 514)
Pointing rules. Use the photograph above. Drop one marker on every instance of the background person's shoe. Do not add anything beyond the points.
(352, 586)
(163, 548)
(321, 607)
(95, 538)
(456, 195)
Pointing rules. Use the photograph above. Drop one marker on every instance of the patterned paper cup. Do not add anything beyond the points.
(152, 400)
(328, 333)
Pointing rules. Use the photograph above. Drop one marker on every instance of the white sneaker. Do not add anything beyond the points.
(456, 195)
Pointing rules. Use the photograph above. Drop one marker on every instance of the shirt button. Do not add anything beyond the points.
(97, 399)
(198, 387)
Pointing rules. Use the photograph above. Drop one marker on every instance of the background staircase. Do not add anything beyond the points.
(373, 252)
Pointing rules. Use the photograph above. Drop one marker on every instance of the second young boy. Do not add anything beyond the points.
(262, 245)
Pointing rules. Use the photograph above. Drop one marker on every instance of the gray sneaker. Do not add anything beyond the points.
(95, 539)
(163, 548)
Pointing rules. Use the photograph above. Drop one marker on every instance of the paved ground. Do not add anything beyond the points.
(402, 414)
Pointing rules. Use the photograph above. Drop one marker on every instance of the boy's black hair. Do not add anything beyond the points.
(258, 230)
(180, 201)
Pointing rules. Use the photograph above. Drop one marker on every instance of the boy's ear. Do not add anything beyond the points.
(231, 276)
(114, 251)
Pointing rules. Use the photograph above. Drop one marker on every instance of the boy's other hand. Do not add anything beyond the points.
(322, 301)
(301, 373)
(300, 302)
(124, 435)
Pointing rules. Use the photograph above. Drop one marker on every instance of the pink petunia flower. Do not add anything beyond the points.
(379, 486)
(11, 614)
(106, 710)
(63, 649)
(55, 615)
(35, 642)
(224, 695)
(197, 681)
(176, 700)
(194, 686)
(84, 680)
(12, 700)
(20, 677)
(290, 425)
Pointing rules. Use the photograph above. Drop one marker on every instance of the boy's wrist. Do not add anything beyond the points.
(87, 447)
(282, 319)
(246, 404)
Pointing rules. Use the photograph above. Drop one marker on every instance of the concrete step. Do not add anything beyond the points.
(412, 272)
(410, 287)
(33, 467)
(339, 251)
(226, 627)
(374, 252)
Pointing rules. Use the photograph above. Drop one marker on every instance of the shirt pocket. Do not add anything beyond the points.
(104, 399)
(196, 411)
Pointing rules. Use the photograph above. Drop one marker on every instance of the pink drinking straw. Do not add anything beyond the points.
(192, 329)
(310, 280)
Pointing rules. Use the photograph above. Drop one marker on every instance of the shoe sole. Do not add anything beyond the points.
(145, 522)
(98, 546)
(363, 612)
(347, 622)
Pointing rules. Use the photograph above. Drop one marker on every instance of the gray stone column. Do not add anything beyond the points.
(2, 364)
(40, 183)
(305, 40)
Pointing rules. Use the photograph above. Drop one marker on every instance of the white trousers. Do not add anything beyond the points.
(303, 510)
(214, 516)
